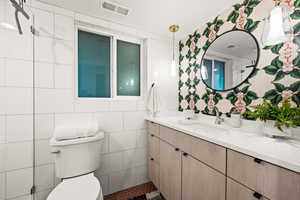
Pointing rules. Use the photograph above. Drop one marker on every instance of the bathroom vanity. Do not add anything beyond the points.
(199, 162)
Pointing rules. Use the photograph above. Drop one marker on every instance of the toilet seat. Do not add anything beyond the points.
(86, 187)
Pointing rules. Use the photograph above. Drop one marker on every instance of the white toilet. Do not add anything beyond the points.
(76, 160)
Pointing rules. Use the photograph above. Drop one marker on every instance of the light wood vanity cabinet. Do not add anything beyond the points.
(267, 179)
(183, 167)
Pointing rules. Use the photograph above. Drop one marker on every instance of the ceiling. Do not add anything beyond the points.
(153, 16)
(242, 44)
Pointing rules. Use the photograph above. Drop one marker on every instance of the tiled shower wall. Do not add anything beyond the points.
(124, 153)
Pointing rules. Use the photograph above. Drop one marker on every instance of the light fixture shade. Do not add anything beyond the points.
(278, 27)
(4, 22)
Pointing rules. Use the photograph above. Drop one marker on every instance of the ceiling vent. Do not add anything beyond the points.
(115, 8)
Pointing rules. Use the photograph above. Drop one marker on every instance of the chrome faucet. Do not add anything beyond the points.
(219, 119)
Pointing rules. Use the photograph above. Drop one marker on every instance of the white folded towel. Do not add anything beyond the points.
(76, 130)
(153, 101)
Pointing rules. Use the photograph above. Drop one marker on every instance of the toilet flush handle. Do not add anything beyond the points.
(55, 151)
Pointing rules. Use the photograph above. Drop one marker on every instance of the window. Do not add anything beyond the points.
(109, 66)
(215, 73)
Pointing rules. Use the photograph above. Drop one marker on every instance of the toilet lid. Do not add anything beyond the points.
(85, 187)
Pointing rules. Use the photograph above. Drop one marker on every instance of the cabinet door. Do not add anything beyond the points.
(153, 172)
(235, 191)
(200, 182)
(153, 146)
(170, 172)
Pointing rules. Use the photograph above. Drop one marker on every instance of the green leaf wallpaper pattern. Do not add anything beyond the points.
(283, 70)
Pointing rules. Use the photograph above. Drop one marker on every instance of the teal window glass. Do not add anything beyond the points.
(94, 65)
(128, 69)
(219, 75)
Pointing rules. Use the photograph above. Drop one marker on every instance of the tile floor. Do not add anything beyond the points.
(131, 192)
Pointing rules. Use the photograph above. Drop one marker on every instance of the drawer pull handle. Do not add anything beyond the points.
(176, 149)
(257, 160)
(152, 159)
(185, 154)
(152, 135)
(257, 195)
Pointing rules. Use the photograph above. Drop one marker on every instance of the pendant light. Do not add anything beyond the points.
(278, 26)
(173, 29)
(4, 22)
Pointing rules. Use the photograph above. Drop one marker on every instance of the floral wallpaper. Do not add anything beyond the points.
(276, 77)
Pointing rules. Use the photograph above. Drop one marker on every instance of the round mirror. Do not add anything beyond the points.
(229, 60)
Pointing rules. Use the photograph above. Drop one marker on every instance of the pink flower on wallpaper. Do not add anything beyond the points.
(289, 3)
(211, 103)
(287, 55)
(240, 105)
(193, 46)
(192, 104)
(287, 94)
(213, 34)
(242, 19)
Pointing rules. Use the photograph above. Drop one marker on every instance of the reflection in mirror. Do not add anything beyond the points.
(229, 60)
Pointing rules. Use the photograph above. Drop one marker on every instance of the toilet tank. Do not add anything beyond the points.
(77, 156)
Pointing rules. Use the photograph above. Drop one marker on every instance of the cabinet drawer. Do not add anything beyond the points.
(169, 135)
(236, 191)
(153, 128)
(209, 153)
(153, 146)
(272, 181)
(153, 172)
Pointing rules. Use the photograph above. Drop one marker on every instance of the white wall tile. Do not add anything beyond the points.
(64, 27)
(44, 49)
(43, 153)
(72, 118)
(110, 121)
(44, 75)
(2, 71)
(42, 195)
(63, 52)
(17, 46)
(2, 186)
(19, 128)
(63, 76)
(141, 173)
(2, 157)
(84, 105)
(24, 197)
(105, 147)
(2, 129)
(122, 141)
(44, 126)
(123, 105)
(18, 182)
(141, 138)
(15, 100)
(110, 162)
(18, 155)
(134, 157)
(44, 177)
(134, 120)
(121, 180)
(19, 73)
(54, 100)
(44, 22)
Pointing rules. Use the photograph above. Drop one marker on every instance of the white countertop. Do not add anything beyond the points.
(282, 152)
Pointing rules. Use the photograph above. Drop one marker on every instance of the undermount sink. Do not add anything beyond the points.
(202, 126)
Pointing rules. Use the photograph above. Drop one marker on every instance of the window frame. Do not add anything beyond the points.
(113, 61)
(212, 59)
